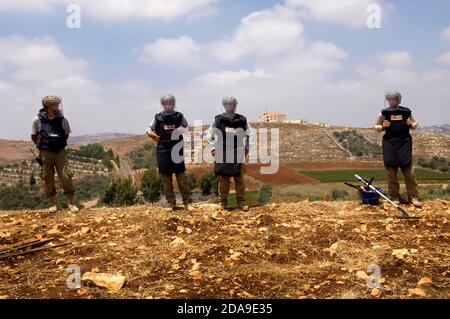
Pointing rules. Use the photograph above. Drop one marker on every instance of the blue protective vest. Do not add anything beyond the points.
(52, 136)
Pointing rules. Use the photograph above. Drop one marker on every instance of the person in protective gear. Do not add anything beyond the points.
(166, 129)
(50, 132)
(230, 138)
(397, 121)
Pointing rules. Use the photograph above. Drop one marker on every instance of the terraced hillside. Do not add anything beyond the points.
(298, 143)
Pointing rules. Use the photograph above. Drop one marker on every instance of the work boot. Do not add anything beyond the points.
(223, 204)
(243, 208)
(414, 201)
(171, 207)
(72, 207)
(53, 205)
(396, 200)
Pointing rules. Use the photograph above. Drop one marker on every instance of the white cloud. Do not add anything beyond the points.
(113, 9)
(444, 58)
(264, 33)
(273, 69)
(396, 59)
(348, 12)
(37, 60)
(446, 34)
(33, 68)
(305, 85)
(225, 77)
(26, 5)
(179, 53)
(314, 62)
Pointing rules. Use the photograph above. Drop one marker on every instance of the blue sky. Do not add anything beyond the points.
(309, 59)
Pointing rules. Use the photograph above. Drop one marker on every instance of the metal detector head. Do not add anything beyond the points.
(368, 184)
(405, 214)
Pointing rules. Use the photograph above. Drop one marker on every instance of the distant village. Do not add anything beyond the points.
(277, 117)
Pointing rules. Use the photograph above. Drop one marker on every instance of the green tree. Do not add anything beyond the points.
(110, 193)
(433, 164)
(151, 185)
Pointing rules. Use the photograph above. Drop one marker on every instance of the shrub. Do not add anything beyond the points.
(426, 164)
(433, 164)
(338, 194)
(91, 187)
(209, 184)
(265, 194)
(151, 185)
(120, 193)
(205, 185)
(144, 157)
(444, 168)
(192, 181)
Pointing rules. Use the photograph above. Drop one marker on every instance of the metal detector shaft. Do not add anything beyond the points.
(404, 212)
(37, 159)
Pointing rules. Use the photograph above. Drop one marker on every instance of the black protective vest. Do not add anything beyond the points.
(397, 141)
(165, 125)
(231, 142)
(51, 136)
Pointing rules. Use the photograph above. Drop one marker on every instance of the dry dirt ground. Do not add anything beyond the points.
(300, 250)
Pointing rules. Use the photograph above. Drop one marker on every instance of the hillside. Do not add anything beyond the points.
(308, 143)
(444, 129)
(300, 250)
(96, 138)
(12, 150)
(298, 143)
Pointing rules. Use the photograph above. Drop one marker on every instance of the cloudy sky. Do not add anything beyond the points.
(313, 59)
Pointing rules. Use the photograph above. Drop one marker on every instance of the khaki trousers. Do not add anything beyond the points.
(224, 187)
(412, 187)
(56, 161)
(183, 186)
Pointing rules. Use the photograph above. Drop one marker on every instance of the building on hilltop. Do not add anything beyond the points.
(296, 122)
(272, 117)
(277, 117)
